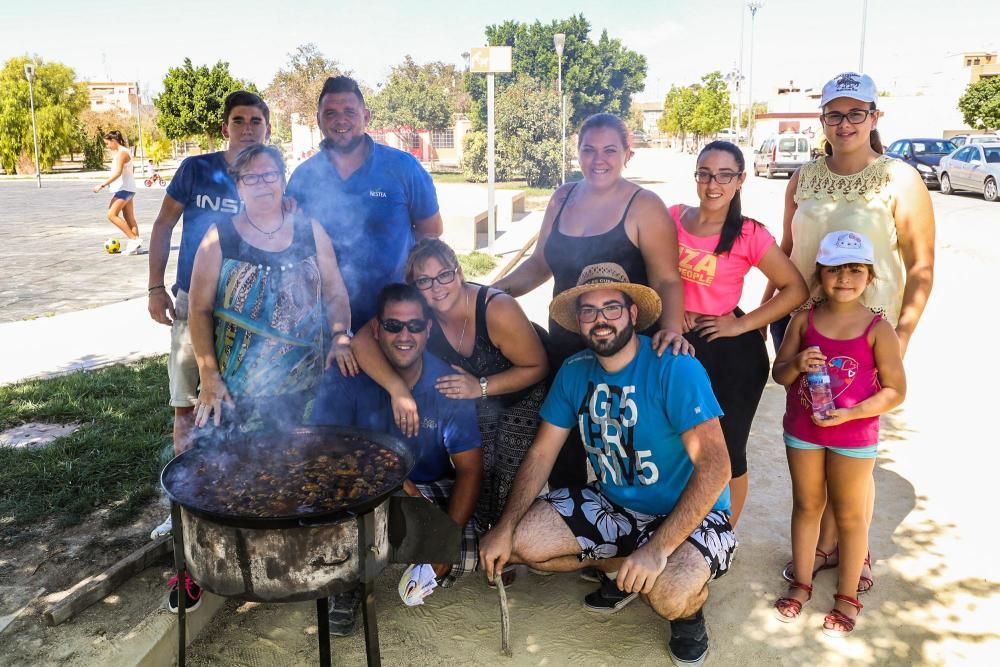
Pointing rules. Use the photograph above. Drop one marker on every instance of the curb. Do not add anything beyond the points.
(153, 642)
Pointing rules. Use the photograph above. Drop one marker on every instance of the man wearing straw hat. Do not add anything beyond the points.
(655, 522)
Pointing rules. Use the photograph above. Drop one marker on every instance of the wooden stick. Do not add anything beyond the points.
(95, 588)
(504, 619)
(509, 266)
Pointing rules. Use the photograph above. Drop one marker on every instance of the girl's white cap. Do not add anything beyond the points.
(845, 247)
(850, 84)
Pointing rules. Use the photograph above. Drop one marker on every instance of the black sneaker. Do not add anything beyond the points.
(608, 599)
(591, 574)
(192, 599)
(688, 643)
(344, 612)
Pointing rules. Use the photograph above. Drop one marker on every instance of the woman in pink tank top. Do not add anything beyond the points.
(834, 449)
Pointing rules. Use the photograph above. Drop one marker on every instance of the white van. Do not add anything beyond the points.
(782, 154)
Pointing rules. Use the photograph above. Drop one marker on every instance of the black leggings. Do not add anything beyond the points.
(738, 368)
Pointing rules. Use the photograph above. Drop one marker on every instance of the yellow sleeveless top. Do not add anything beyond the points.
(863, 203)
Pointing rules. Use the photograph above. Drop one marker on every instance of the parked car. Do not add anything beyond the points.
(961, 139)
(726, 135)
(923, 155)
(974, 167)
(781, 154)
(639, 139)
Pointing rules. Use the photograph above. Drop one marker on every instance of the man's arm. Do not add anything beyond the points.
(161, 307)
(432, 226)
(468, 480)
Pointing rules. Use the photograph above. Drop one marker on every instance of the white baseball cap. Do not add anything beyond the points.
(850, 84)
(845, 247)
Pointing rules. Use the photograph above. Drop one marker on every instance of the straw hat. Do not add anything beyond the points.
(606, 275)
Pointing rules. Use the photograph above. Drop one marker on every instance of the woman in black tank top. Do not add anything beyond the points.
(605, 218)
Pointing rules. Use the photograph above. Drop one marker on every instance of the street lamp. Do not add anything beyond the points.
(559, 40)
(734, 78)
(29, 72)
(753, 6)
(864, 25)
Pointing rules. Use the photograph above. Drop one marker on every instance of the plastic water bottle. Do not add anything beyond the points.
(820, 393)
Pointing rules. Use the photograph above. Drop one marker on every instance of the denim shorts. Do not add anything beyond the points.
(869, 452)
(124, 195)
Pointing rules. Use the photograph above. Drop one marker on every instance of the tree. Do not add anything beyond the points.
(414, 98)
(191, 104)
(58, 99)
(678, 111)
(296, 87)
(980, 105)
(758, 108)
(713, 110)
(597, 76)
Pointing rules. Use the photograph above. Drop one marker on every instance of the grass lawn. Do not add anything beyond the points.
(476, 264)
(113, 460)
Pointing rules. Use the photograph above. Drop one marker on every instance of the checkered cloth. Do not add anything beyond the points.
(439, 493)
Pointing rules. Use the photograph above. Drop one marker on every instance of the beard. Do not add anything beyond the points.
(343, 148)
(610, 347)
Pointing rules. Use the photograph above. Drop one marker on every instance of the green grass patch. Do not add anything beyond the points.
(113, 460)
(451, 177)
(477, 264)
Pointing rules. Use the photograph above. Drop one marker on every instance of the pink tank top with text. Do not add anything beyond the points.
(853, 378)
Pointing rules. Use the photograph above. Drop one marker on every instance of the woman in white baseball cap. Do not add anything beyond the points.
(856, 188)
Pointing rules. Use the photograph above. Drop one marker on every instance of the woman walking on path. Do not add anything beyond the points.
(854, 187)
(604, 218)
(121, 211)
(718, 247)
(831, 452)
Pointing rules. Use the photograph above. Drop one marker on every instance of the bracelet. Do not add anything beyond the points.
(156, 287)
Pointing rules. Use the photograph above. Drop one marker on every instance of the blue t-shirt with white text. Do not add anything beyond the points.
(631, 423)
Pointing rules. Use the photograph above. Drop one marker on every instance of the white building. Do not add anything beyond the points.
(109, 95)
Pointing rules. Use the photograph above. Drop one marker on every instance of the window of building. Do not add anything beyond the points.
(975, 61)
(443, 138)
(378, 136)
(414, 141)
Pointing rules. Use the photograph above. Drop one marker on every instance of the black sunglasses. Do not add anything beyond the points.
(395, 326)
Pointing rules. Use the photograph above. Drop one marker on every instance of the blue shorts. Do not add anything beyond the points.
(124, 195)
(869, 452)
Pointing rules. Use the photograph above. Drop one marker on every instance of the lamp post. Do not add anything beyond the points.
(739, 88)
(29, 72)
(734, 78)
(753, 6)
(559, 40)
(864, 24)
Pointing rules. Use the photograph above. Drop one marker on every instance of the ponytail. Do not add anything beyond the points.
(117, 136)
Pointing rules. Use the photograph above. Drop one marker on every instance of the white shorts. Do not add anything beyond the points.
(182, 368)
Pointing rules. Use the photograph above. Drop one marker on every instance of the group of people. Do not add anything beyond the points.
(615, 441)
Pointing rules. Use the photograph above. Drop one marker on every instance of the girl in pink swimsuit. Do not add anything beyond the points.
(836, 450)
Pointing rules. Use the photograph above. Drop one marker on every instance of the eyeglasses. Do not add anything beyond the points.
(854, 117)
(254, 179)
(395, 326)
(722, 178)
(588, 314)
(443, 278)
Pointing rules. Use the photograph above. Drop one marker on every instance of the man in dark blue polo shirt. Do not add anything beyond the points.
(449, 464)
(374, 201)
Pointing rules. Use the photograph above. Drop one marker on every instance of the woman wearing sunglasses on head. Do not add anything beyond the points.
(718, 247)
(266, 301)
(856, 188)
(498, 359)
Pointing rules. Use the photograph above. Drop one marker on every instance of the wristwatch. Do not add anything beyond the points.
(343, 332)
(484, 382)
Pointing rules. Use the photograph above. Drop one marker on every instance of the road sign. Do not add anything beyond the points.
(490, 59)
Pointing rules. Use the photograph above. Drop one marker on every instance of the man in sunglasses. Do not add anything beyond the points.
(449, 464)
(655, 522)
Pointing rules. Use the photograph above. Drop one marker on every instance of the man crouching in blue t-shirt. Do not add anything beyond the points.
(656, 522)
(449, 463)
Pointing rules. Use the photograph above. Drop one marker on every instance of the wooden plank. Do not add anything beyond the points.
(517, 258)
(95, 588)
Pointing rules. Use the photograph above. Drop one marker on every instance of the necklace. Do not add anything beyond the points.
(270, 234)
(466, 323)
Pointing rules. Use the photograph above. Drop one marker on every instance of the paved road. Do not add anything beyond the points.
(52, 257)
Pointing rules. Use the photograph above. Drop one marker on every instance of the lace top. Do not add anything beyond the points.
(863, 202)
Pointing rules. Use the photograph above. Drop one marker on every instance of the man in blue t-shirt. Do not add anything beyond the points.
(656, 520)
(374, 201)
(449, 463)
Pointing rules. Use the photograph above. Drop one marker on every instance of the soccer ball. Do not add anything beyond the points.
(112, 246)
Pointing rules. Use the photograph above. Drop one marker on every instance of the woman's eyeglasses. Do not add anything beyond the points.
(395, 326)
(254, 179)
(854, 117)
(588, 314)
(722, 178)
(443, 278)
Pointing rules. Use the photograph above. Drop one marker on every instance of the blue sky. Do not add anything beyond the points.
(803, 40)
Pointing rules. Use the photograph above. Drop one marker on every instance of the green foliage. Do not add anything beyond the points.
(477, 264)
(93, 151)
(296, 87)
(713, 110)
(758, 108)
(679, 110)
(597, 76)
(980, 104)
(416, 97)
(157, 150)
(191, 104)
(58, 99)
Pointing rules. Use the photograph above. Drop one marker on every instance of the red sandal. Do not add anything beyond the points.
(839, 617)
(789, 576)
(789, 604)
(865, 583)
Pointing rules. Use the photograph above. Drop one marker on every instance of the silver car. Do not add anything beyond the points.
(974, 167)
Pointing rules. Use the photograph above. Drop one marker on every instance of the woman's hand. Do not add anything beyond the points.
(212, 396)
(404, 413)
(810, 359)
(460, 385)
(664, 338)
(98, 188)
(342, 354)
(690, 320)
(711, 327)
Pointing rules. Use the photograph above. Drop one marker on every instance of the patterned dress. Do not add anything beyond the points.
(269, 322)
